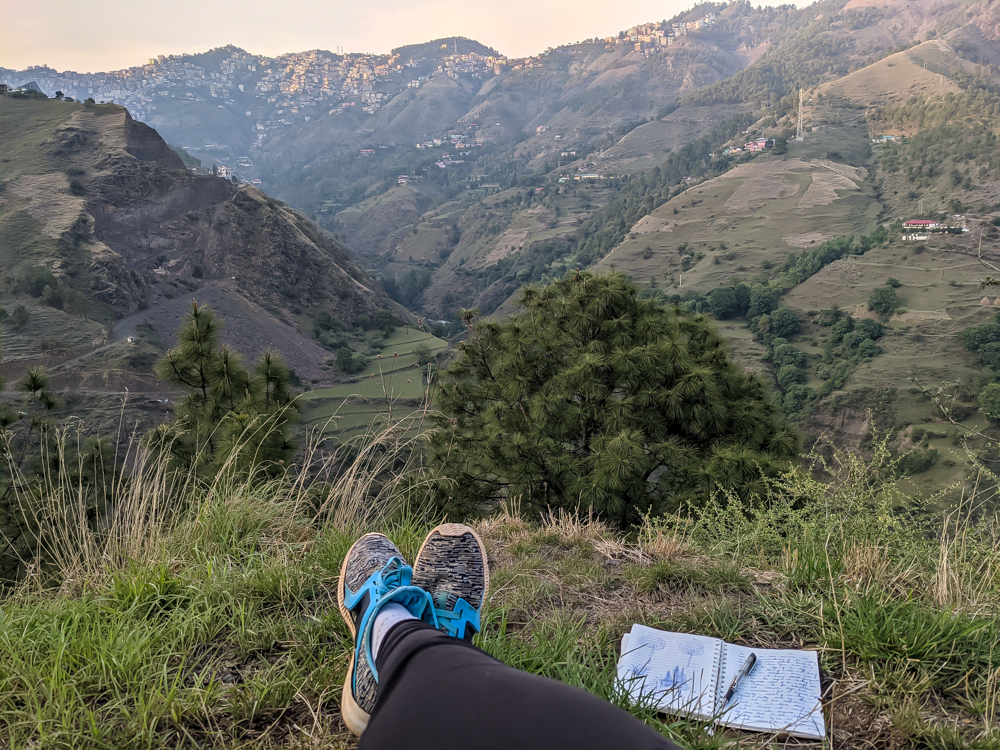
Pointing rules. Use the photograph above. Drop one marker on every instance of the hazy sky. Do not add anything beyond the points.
(97, 35)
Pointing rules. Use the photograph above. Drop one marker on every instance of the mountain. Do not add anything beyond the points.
(455, 176)
(105, 238)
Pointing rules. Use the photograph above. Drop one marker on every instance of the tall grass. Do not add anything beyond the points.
(201, 610)
(198, 611)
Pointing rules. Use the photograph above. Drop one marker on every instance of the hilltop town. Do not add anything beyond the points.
(270, 93)
(274, 93)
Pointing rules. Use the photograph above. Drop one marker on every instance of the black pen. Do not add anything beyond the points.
(746, 669)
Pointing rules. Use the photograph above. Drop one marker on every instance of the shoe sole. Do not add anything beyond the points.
(453, 530)
(355, 717)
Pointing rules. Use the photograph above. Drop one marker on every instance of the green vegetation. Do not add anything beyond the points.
(42, 284)
(231, 417)
(883, 301)
(640, 195)
(592, 397)
(203, 613)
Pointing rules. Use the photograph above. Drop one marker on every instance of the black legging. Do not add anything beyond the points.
(436, 691)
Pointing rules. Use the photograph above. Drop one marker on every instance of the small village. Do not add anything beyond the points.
(271, 93)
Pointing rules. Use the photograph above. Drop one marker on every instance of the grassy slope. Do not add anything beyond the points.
(760, 216)
(392, 380)
(220, 628)
(761, 210)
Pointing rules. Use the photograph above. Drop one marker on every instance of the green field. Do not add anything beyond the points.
(392, 382)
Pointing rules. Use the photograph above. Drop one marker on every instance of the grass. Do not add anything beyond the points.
(202, 613)
(392, 387)
(899, 76)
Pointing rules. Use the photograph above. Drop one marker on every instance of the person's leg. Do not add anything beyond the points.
(434, 689)
(373, 594)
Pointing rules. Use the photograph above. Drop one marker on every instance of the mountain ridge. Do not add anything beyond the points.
(126, 225)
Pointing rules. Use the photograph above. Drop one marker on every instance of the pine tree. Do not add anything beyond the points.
(594, 398)
(230, 415)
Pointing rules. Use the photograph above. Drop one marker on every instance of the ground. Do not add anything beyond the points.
(220, 628)
(392, 386)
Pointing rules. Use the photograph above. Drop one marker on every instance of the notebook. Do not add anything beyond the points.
(690, 674)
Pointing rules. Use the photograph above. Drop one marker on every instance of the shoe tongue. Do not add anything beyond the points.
(359, 611)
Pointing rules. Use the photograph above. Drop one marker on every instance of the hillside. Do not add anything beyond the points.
(143, 632)
(628, 153)
(105, 238)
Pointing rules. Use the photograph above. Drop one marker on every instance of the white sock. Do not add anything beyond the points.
(388, 616)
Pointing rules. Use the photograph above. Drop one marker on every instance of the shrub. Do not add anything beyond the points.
(989, 401)
(883, 301)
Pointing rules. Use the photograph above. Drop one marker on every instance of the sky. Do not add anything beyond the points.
(99, 35)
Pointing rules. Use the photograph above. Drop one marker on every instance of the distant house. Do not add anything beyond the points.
(921, 224)
(541, 129)
(758, 144)
(225, 172)
(403, 179)
(368, 152)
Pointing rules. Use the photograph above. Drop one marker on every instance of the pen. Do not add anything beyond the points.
(746, 669)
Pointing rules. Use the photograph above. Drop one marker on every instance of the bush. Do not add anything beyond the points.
(869, 349)
(348, 362)
(917, 462)
(20, 318)
(786, 354)
(790, 375)
(883, 301)
(869, 329)
(989, 401)
(784, 323)
(723, 304)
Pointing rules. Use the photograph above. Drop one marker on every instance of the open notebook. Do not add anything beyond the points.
(689, 675)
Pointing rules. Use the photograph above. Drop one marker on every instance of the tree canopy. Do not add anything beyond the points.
(594, 398)
(230, 414)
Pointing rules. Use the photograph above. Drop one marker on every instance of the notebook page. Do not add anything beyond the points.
(781, 694)
(675, 671)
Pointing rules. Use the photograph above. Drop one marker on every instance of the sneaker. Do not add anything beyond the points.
(451, 566)
(373, 574)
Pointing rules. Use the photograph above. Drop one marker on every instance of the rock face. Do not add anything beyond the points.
(125, 223)
(167, 224)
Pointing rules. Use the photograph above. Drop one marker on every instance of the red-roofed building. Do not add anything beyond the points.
(921, 224)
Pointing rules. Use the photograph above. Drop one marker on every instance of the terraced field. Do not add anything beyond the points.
(394, 382)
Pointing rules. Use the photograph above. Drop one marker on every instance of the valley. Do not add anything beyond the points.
(695, 324)
(482, 174)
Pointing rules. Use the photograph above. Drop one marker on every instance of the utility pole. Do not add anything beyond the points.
(798, 134)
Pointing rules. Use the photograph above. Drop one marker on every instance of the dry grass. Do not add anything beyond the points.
(213, 622)
(49, 201)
